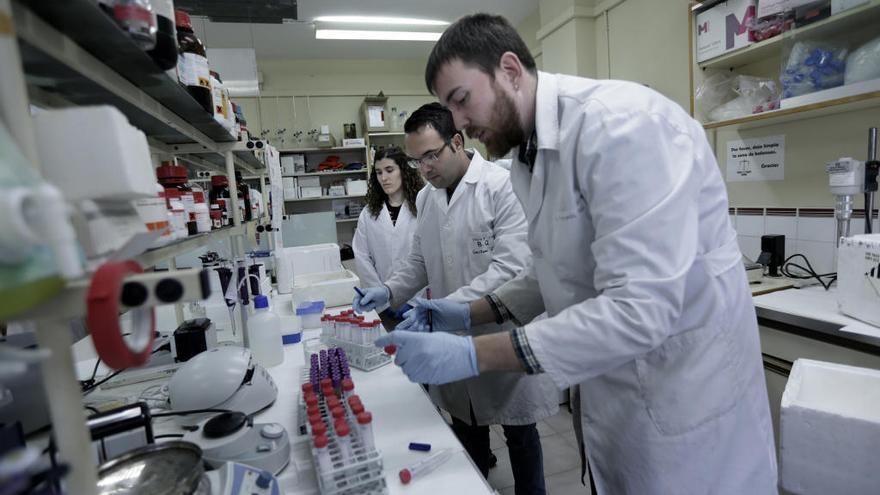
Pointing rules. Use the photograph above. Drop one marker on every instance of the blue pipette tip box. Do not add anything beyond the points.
(422, 447)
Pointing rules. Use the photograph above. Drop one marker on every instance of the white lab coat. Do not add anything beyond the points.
(463, 249)
(640, 274)
(380, 246)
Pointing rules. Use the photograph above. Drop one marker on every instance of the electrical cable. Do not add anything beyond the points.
(191, 411)
(810, 272)
(169, 435)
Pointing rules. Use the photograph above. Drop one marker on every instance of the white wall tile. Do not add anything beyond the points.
(820, 254)
(750, 225)
(857, 226)
(816, 229)
(750, 246)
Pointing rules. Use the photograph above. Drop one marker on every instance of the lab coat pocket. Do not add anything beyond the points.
(690, 380)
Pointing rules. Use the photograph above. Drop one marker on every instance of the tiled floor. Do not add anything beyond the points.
(561, 460)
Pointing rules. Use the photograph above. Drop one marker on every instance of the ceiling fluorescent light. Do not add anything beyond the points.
(353, 19)
(348, 34)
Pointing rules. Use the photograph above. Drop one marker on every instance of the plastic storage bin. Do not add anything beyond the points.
(309, 313)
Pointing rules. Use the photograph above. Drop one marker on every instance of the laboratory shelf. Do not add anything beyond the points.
(324, 174)
(386, 134)
(818, 109)
(323, 198)
(341, 149)
(178, 247)
(844, 22)
(77, 52)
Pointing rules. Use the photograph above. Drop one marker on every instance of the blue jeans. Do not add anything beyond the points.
(523, 444)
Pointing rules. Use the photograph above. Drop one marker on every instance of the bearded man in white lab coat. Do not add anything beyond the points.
(634, 261)
(470, 239)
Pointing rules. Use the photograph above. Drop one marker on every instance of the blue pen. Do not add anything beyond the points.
(360, 293)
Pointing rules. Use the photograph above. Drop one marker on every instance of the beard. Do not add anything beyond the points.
(507, 132)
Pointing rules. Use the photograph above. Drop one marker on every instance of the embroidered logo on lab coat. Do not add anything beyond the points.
(482, 242)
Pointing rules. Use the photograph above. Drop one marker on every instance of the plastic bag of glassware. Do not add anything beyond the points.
(863, 64)
(714, 91)
(813, 66)
(755, 95)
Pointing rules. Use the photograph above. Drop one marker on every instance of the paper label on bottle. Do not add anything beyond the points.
(192, 69)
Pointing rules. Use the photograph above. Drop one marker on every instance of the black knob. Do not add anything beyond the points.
(133, 294)
(169, 290)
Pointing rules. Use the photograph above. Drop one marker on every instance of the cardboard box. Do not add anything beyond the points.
(338, 190)
(838, 6)
(310, 192)
(311, 181)
(773, 7)
(290, 193)
(723, 28)
(354, 142)
(293, 164)
(356, 187)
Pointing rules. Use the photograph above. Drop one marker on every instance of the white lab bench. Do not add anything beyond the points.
(805, 323)
(402, 413)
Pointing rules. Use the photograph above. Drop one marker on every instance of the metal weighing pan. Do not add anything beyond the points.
(169, 468)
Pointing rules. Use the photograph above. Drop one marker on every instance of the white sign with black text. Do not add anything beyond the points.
(756, 159)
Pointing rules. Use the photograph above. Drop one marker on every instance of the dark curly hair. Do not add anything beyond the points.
(410, 178)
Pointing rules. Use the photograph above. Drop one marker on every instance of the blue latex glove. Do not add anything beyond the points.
(402, 311)
(374, 297)
(433, 358)
(447, 316)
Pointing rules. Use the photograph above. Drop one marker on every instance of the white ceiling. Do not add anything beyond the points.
(293, 41)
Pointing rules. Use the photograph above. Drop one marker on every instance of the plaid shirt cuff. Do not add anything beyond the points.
(498, 307)
(524, 351)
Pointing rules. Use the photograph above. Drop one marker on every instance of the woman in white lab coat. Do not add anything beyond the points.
(386, 226)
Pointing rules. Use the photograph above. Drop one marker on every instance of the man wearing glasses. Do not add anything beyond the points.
(470, 239)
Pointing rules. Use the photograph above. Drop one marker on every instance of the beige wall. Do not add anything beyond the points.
(648, 43)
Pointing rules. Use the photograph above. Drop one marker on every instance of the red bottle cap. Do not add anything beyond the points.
(347, 385)
(326, 381)
(354, 399)
(338, 412)
(332, 402)
(365, 324)
(319, 429)
(219, 180)
(321, 441)
(170, 171)
(342, 429)
(357, 408)
(311, 401)
(198, 196)
(365, 418)
(405, 475)
(390, 349)
(307, 387)
(315, 418)
(181, 19)
(172, 194)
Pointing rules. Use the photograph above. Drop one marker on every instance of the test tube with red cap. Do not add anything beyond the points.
(343, 436)
(338, 413)
(365, 429)
(347, 388)
(424, 466)
(319, 429)
(323, 453)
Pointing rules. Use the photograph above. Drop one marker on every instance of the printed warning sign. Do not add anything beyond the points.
(756, 159)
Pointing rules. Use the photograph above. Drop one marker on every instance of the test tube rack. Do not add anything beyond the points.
(362, 357)
(363, 475)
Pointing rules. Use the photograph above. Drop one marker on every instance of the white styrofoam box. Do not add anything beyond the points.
(317, 258)
(773, 7)
(723, 28)
(844, 91)
(81, 144)
(310, 192)
(830, 429)
(353, 142)
(312, 181)
(356, 187)
(334, 288)
(291, 193)
(838, 6)
(858, 277)
(287, 182)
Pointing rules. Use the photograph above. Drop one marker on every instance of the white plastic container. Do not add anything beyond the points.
(264, 332)
(309, 313)
(201, 214)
